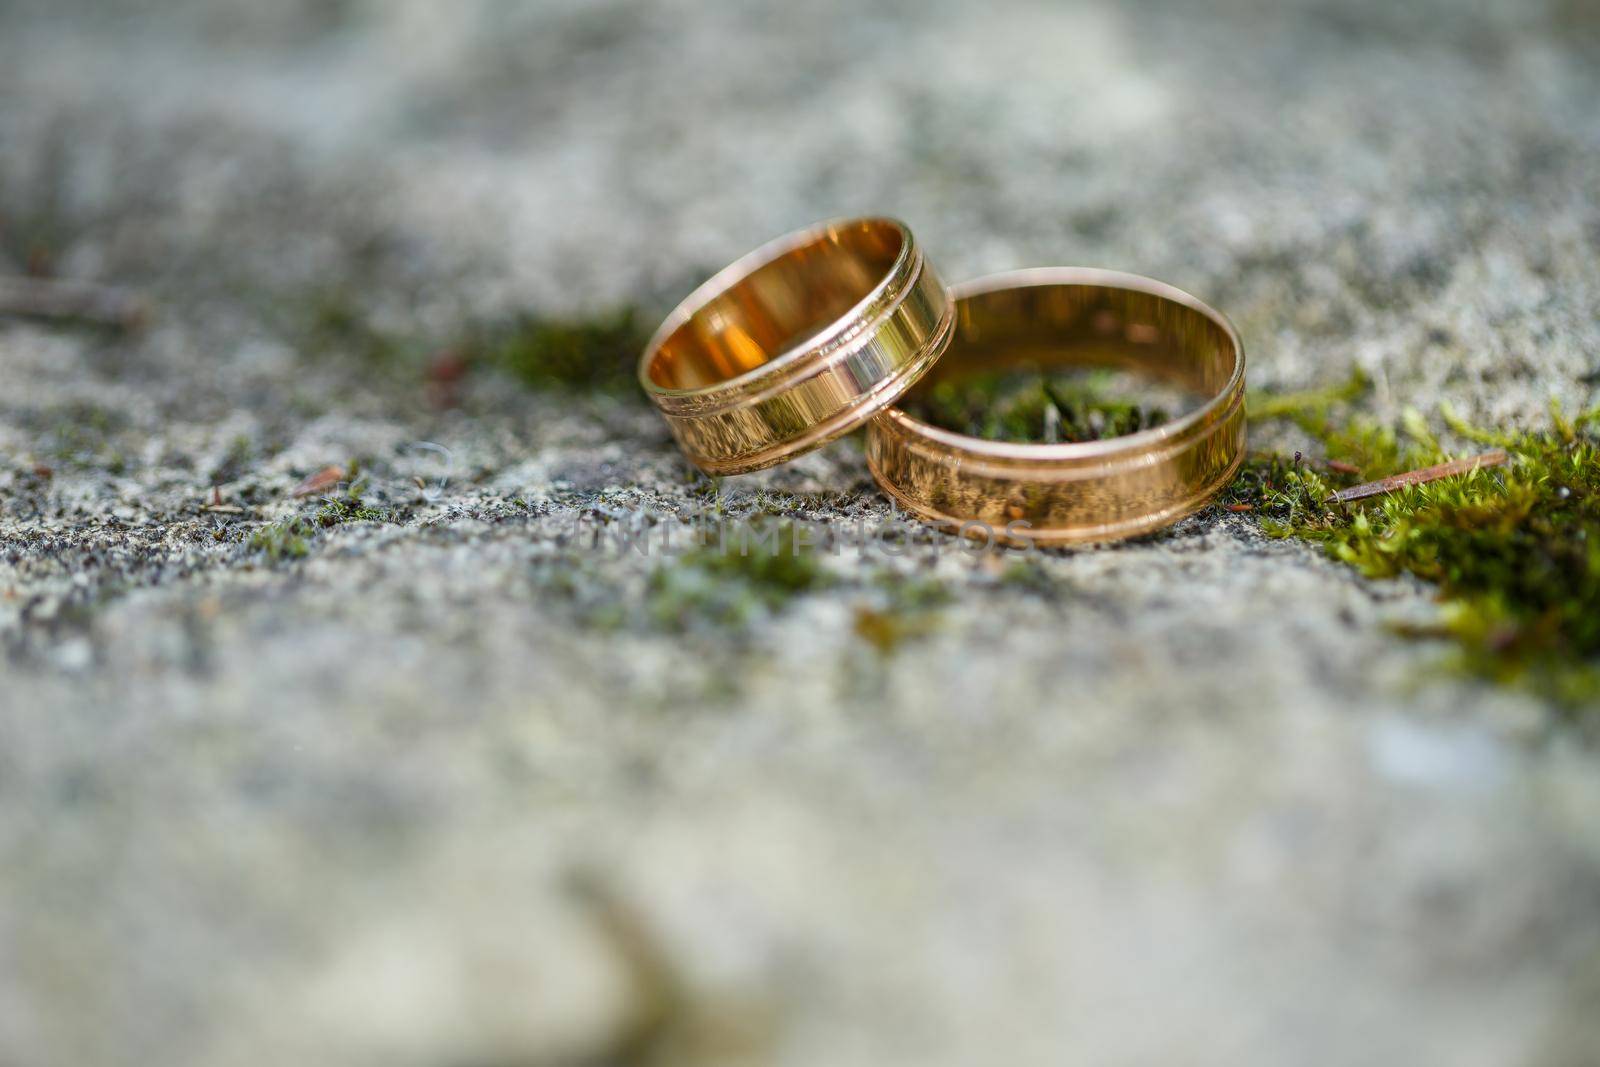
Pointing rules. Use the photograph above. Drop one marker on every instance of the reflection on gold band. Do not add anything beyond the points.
(1087, 491)
(796, 344)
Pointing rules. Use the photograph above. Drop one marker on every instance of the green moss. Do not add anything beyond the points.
(350, 505)
(1514, 550)
(285, 539)
(732, 585)
(1037, 408)
(902, 608)
(345, 509)
(1028, 575)
(292, 537)
(912, 592)
(593, 597)
(589, 354)
(1311, 403)
(235, 462)
(335, 322)
(83, 436)
(594, 354)
(729, 581)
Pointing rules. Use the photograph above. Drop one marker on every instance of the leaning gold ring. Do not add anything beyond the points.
(797, 343)
(1082, 491)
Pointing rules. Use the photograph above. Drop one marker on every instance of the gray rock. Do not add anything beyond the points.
(445, 790)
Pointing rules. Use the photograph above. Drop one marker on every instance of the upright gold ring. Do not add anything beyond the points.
(797, 343)
(1081, 491)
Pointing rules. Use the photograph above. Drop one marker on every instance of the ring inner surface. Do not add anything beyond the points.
(780, 304)
(1045, 329)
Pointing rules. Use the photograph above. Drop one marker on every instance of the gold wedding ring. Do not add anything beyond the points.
(796, 344)
(1052, 319)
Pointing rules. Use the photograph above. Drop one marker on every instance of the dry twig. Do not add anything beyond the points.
(50, 298)
(1420, 477)
(320, 482)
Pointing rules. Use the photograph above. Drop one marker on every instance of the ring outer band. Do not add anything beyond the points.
(821, 388)
(1057, 494)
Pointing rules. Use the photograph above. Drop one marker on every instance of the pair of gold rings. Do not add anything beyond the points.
(825, 330)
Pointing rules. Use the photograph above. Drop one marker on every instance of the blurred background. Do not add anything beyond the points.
(390, 767)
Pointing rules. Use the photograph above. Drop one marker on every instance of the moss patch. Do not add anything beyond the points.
(1028, 576)
(83, 437)
(595, 354)
(903, 608)
(723, 586)
(1515, 551)
(292, 537)
(749, 572)
(347, 509)
(285, 539)
(351, 505)
(336, 322)
(592, 354)
(1039, 408)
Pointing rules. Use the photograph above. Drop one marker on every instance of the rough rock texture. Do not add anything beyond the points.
(459, 788)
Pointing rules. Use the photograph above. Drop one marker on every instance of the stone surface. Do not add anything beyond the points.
(446, 791)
